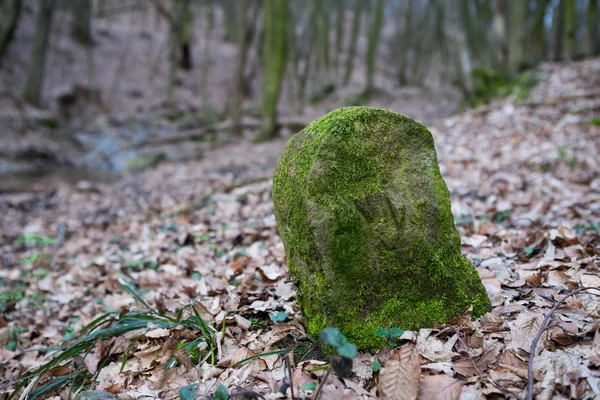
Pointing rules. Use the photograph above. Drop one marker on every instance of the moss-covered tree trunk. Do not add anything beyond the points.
(274, 52)
(365, 219)
(516, 23)
(537, 37)
(35, 73)
(373, 45)
(568, 47)
(358, 6)
(11, 11)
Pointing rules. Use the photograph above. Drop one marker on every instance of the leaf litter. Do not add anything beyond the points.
(173, 282)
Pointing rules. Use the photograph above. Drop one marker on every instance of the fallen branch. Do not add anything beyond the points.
(537, 338)
(201, 133)
(557, 100)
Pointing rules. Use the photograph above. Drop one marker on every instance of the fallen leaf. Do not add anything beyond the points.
(478, 365)
(400, 378)
(440, 387)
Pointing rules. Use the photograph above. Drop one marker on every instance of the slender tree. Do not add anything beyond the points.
(516, 23)
(403, 40)
(537, 38)
(459, 50)
(274, 52)
(186, 38)
(373, 44)
(82, 20)
(358, 6)
(210, 20)
(593, 28)
(11, 11)
(35, 73)
(569, 30)
(238, 86)
(339, 34)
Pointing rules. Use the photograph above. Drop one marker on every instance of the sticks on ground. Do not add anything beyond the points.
(537, 338)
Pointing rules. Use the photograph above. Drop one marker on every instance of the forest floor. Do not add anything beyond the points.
(525, 185)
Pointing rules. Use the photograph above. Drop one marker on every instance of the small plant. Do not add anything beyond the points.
(279, 316)
(343, 354)
(34, 239)
(391, 335)
(111, 325)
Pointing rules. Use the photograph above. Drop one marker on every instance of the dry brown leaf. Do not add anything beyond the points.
(440, 387)
(400, 378)
(561, 279)
(478, 365)
(56, 371)
(524, 329)
(491, 322)
(591, 281)
(569, 236)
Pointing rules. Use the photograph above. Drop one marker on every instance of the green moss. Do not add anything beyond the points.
(594, 121)
(495, 84)
(365, 218)
(145, 160)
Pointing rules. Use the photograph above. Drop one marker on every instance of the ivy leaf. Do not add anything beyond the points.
(188, 392)
(278, 316)
(396, 332)
(347, 350)
(221, 393)
(529, 250)
(308, 386)
(382, 332)
(332, 336)
(376, 365)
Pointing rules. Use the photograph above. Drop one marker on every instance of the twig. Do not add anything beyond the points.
(539, 335)
(289, 370)
(318, 392)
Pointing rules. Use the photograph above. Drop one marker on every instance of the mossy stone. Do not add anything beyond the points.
(364, 215)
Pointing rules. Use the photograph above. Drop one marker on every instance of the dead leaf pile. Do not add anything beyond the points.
(525, 186)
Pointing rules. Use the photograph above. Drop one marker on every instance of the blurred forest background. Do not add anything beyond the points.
(110, 85)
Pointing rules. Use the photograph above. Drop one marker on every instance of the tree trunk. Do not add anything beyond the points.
(420, 47)
(308, 52)
(208, 9)
(358, 5)
(424, 49)
(593, 26)
(515, 29)
(35, 72)
(537, 36)
(569, 29)
(373, 44)
(275, 12)
(186, 38)
(82, 19)
(403, 44)
(11, 12)
(175, 31)
(230, 20)
(499, 29)
(238, 86)
(339, 35)
(459, 50)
